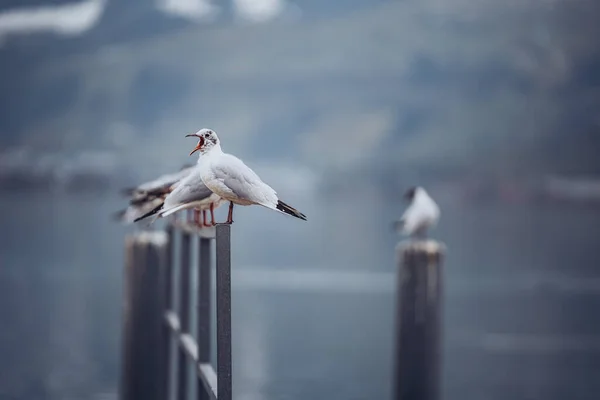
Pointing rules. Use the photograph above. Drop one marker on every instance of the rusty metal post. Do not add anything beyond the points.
(417, 369)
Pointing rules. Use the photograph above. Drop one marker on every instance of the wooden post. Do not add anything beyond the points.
(166, 293)
(418, 321)
(142, 316)
(224, 378)
(203, 312)
(183, 370)
(128, 379)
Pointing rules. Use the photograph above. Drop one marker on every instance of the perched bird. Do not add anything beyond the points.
(134, 211)
(158, 187)
(189, 193)
(149, 195)
(421, 214)
(231, 179)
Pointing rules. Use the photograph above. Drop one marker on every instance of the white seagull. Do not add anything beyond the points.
(158, 187)
(190, 192)
(231, 179)
(133, 211)
(421, 214)
(149, 195)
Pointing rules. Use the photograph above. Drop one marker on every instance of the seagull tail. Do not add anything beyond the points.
(289, 210)
(149, 213)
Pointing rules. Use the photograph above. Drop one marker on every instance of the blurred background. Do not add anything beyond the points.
(340, 106)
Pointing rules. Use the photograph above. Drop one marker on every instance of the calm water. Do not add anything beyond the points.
(521, 316)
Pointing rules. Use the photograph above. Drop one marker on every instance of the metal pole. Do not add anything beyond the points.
(184, 314)
(223, 271)
(203, 320)
(166, 305)
(418, 321)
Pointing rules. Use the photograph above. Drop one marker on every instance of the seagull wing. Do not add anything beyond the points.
(412, 218)
(158, 188)
(236, 178)
(189, 190)
(419, 215)
(164, 181)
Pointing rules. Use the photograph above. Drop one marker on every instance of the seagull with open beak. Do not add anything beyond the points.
(232, 180)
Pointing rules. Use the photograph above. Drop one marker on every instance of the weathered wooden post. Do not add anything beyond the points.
(417, 371)
(142, 316)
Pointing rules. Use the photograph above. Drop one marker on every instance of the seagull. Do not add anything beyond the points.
(158, 187)
(232, 180)
(190, 192)
(149, 195)
(133, 211)
(421, 214)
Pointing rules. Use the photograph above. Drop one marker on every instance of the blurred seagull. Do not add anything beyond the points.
(133, 211)
(158, 187)
(190, 192)
(421, 214)
(231, 179)
(149, 195)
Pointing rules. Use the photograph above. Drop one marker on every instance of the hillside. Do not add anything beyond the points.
(430, 85)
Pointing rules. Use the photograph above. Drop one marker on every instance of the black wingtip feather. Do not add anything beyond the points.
(289, 210)
(149, 213)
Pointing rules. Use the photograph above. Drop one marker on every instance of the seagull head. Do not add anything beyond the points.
(207, 139)
(409, 195)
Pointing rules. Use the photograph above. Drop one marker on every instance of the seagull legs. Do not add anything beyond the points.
(197, 217)
(230, 214)
(204, 223)
(212, 214)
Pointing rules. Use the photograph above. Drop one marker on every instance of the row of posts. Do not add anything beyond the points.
(148, 272)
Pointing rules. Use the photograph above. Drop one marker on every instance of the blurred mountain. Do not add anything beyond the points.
(342, 87)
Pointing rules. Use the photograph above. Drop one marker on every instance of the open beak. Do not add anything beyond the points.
(200, 142)
(196, 149)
